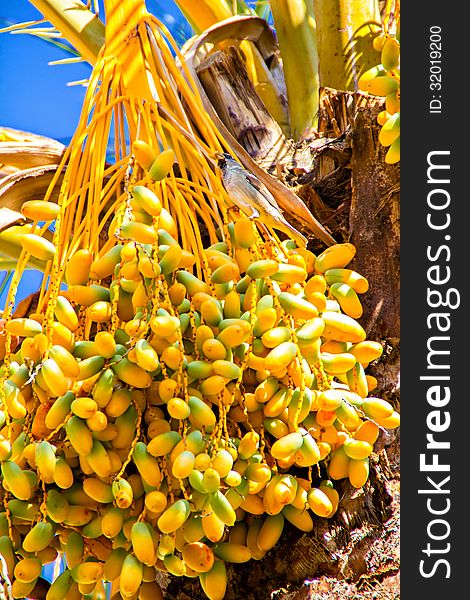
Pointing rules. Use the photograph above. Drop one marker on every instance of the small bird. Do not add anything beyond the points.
(253, 197)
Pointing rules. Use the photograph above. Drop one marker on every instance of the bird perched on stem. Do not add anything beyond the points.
(253, 197)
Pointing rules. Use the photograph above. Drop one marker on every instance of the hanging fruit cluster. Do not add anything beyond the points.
(384, 80)
(161, 419)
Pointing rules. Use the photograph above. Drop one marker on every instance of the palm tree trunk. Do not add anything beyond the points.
(346, 29)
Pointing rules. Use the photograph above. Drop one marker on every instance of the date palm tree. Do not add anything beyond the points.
(144, 87)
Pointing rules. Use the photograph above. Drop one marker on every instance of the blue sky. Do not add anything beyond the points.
(34, 96)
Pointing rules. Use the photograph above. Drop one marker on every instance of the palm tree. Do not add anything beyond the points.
(138, 92)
